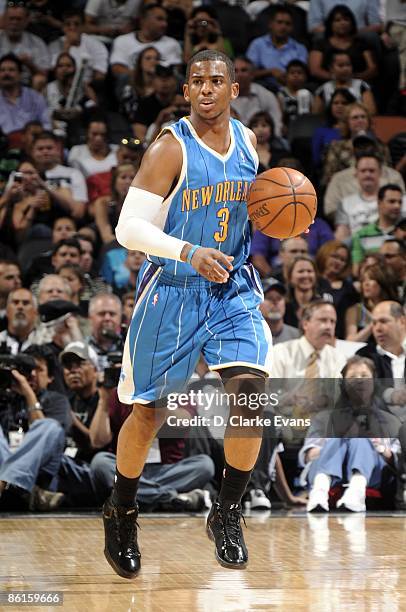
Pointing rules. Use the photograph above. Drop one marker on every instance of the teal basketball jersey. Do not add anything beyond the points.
(208, 205)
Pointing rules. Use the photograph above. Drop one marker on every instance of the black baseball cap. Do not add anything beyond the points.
(273, 283)
(54, 309)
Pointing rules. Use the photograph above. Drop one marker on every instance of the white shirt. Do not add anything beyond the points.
(290, 360)
(259, 99)
(109, 12)
(30, 44)
(71, 178)
(397, 365)
(127, 47)
(81, 158)
(356, 212)
(90, 49)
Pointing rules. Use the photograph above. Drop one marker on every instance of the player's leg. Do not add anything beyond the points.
(239, 347)
(159, 356)
(242, 444)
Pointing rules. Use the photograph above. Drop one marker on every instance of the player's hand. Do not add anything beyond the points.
(212, 264)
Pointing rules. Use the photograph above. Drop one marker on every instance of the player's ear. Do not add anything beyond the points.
(235, 90)
(186, 92)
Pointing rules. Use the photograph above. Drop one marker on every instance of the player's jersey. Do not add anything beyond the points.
(208, 205)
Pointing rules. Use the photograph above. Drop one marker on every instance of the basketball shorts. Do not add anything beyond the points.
(177, 319)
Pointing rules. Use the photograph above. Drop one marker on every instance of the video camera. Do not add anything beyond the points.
(22, 363)
(114, 358)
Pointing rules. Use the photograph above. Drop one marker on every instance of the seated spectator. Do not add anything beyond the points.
(39, 259)
(89, 53)
(396, 31)
(359, 459)
(141, 82)
(361, 208)
(107, 208)
(10, 279)
(21, 311)
(294, 98)
(203, 31)
(68, 186)
(67, 250)
(376, 285)
(169, 481)
(254, 98)
(394, 252)
(324, 135)
(53, 287)
(167, 116)
(107, 20)
(342, 73)
(152, 28)
(105, 312)
(302, 279)
(270, 148)
(272, 52)
(262, 252)
(18, 104)
(63, 105)
(79, 364)
(159, 107)
(356, 135)
(344, 183)
(120, 268)
(273, 309)
(266, 250)
(29, 48)
(366, 15)
(74, 276)
(97, 155)
(341, 34)
(128, 302)
(388, 352)
(333, 261)
(45, 19)
(45, 416)
(372, 236)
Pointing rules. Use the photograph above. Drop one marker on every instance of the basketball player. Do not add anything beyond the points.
(196, 293)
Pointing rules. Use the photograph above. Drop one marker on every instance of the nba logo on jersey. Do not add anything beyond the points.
(155, 300)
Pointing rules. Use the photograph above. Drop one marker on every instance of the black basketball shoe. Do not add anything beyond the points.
(120, 531)
(224, 528)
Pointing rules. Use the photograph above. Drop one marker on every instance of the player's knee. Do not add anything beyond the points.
(148, 418)
(247, 393)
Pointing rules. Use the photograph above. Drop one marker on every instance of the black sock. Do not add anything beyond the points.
(124, 490)
(233, 485)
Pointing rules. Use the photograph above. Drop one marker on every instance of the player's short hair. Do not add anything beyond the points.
(210, 55)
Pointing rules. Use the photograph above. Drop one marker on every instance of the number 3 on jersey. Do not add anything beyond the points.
(224, 215)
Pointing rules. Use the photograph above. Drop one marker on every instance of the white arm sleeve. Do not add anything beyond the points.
(138, 226)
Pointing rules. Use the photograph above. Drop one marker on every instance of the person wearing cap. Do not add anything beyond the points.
(79, 363)
(273, 308)
(27, 472)
(370, 238)
(159, 106)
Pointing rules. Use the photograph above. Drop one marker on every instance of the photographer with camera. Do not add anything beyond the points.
(21, 311)
(80, 370)
(203, 32)
(33, 422)
(105, 311)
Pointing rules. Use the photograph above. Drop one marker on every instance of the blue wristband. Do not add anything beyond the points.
(192, 252)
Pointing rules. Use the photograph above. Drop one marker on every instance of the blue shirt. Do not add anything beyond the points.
(29, 106)
(263, 53)
(366, 12)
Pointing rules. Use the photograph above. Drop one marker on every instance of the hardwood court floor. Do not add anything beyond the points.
(318, 563)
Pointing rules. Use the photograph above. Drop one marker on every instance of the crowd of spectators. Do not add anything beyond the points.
(85, 86)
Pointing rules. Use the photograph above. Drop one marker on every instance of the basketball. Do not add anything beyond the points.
(282, 202)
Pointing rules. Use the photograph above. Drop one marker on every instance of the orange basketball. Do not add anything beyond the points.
(282, 202)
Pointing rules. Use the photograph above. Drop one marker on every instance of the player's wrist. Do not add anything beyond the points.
(191, 253)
